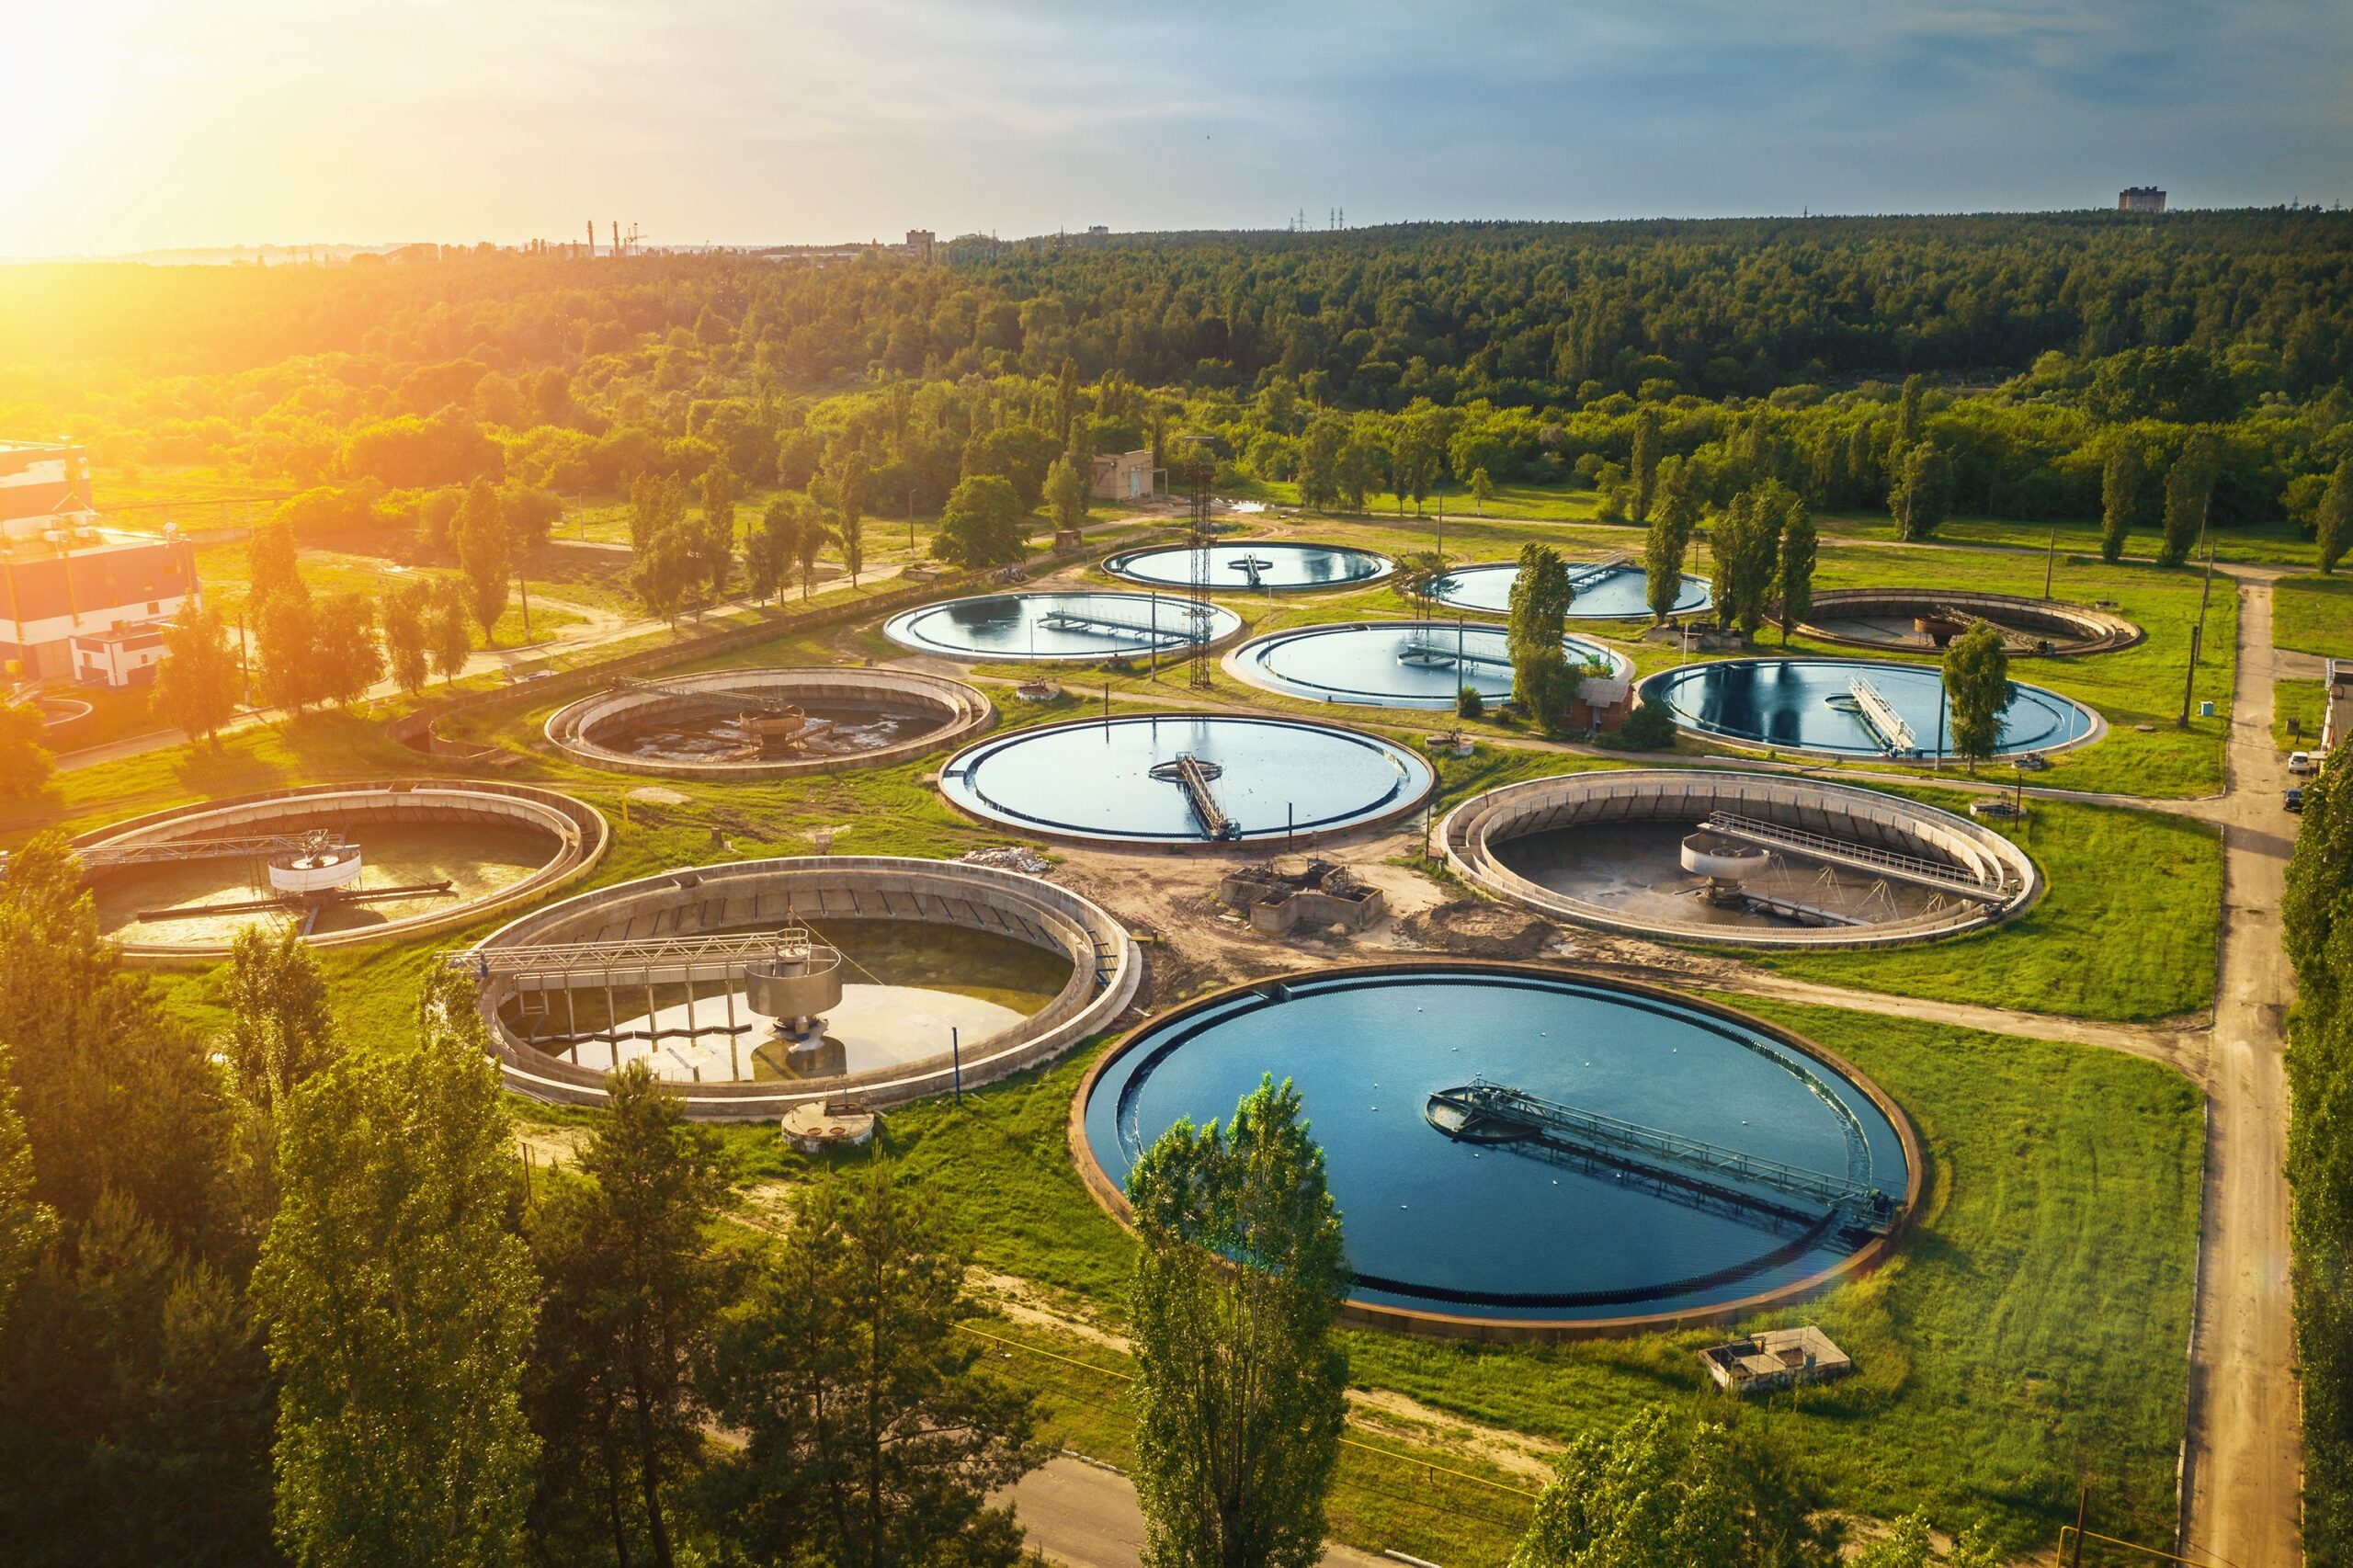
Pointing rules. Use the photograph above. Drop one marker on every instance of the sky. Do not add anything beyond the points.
(134, 124)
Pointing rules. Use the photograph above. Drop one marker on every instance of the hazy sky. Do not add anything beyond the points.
(127, 124)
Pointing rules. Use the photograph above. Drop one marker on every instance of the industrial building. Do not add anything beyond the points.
(77, 600)
(1121, 476)
(2141, 198)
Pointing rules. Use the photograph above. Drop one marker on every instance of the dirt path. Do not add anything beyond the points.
(2243, 1460)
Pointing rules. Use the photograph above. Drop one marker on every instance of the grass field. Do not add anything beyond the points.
(2314, 615)
(2033, 1327)
(2126, 928)
(2304, 703)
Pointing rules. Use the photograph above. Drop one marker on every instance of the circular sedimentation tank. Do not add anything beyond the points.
(351, 863)
(1737, 858)
(1399, 663)
(1605, 591)
(768, 723)
(1253, 565)
(1924, 620)
(904, 975)
(1060, 627)
(1518, 1151)
(1186, 779)
(1853, 708)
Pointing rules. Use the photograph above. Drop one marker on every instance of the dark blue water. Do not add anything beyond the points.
(1397, 663)
(1435, 1221)
(1093, 777)
(1619, 595)
(1019, 628)
(1809, 703)
(1253, 566)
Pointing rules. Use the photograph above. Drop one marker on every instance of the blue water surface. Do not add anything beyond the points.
(1397, 663)
(1617, 593)
(1253, 566)
(1809, 704)
(1023, 628)
(1441, 1225)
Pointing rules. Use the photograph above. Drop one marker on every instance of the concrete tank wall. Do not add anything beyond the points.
(959, 709)
(1106, 967)
(1473, 830)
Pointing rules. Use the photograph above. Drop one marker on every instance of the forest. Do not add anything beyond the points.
(1402, 360)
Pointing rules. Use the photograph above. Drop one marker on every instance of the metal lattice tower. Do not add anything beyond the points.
(1199, 469)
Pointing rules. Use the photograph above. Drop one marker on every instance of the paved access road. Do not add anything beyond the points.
(1082, 1516)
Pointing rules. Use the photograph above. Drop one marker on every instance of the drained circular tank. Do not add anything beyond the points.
(759, 985)
(1399, 663)
(764, 723)
(1924, 620)
(1186, 779)
(1605, 591)
(1852, 708)
(1744, 858)
(1039, 628)
(347, 863)
(1256, 565)
(1517, 1150)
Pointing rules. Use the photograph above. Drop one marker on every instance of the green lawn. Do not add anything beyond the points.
(2314, 615)
(2304, 701)
(2275, 543)
(2126, 928)
(2033, 1325)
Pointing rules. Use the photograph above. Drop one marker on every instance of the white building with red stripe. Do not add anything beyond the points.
(77, 600)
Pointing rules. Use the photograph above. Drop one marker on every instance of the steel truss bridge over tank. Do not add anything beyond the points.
(1483, 1112)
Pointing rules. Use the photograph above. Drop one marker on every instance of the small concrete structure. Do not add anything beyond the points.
(1319, 896)
(1777, 1358)
(1121, 476)
(1107, 968)
(840, 1122)
(2336, 718)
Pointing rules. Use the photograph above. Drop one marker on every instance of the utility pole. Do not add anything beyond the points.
(2048, 557)
(2198, 632)
(523, 583)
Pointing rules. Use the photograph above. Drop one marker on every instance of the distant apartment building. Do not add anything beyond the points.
(2141, 198)
(1121, 476)
(77, 600)
(921, 244)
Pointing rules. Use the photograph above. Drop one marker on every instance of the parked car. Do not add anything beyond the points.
(2300, 762)
(2295, 799)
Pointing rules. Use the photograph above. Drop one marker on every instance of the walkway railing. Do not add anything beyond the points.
(1863, 856)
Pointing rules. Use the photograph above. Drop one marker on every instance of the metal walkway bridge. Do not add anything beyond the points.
(1436, 654)
(1193, 775)
(1880, 717)
(1482, 1112)
(1080, 619)
(1600, 572)
(1862, 858)
(650, 961)
(248, 846)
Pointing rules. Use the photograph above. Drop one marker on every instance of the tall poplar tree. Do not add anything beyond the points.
(1542, 680)
(399, 1302)
(2122, 481)
(1977, 687)
(2189, 485)
(1643, 469)
(1242, 1394)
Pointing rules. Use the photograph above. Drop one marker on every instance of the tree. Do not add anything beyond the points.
(632, 1292)
(1667, 1490)
(345, 659)
(2190, 488)
(1907, 412)
(285, 652)
(1666, 543)
(196, 686)
(26, 1222)
(484, 554)
(710, 539)
(2122, 481)
(25, 764)
(1357, 471)
(2335, 518)
(873, 1435)
(449, 630)
(1977, 688)
(271, 566)
(768, 548)
(1319, 461)
(280, 1035)
(407, 609)
(846, 482)
(1793, 581)
(667, 573)
(1066, 495)
(1420, 455)
(1542, 680)
(1241, 1386)
(1747, 550)
(1480, 488)
(399, 1304)
(1922, 495)
(1644, 466)
(981, 525)
(656, 505)
(805, 550)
